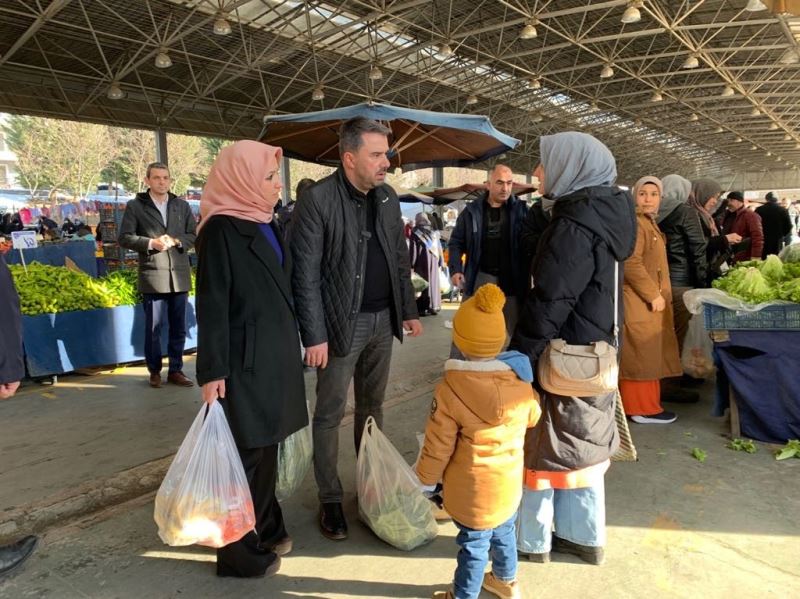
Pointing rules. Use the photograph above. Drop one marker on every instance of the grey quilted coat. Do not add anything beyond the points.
(159, 272)
(329, 252)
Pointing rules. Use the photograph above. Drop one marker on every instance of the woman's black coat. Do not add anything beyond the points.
(247, 333)
(686, 247)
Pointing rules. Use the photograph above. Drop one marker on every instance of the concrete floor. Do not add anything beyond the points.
(677, 528)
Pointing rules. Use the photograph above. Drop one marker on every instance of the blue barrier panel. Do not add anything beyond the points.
(59, 343)
(80, 252)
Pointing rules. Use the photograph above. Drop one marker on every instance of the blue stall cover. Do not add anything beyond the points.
(82, 253)
(60, 343)
(762, 367)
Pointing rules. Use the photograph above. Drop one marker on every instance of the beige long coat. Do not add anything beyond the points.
(649, 344)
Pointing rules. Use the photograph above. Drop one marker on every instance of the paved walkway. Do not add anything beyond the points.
(677, 528)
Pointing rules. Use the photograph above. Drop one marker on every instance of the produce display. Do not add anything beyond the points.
(46, 289)
(759, 281)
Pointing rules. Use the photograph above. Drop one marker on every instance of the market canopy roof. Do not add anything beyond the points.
(419, 137)
(701, 87)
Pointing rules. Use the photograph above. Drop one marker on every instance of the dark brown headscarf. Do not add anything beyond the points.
(702, 190)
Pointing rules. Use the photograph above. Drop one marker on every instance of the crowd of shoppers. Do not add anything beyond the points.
(519, 468)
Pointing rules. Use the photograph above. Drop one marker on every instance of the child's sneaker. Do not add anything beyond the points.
(504, 590)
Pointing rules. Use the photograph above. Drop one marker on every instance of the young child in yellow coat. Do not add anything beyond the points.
(474, 444)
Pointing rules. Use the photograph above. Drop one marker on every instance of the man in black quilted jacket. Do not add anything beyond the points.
(352, 290)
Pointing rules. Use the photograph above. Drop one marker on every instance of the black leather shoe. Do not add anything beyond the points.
(591, 555)
(14, 555)
(331, 521)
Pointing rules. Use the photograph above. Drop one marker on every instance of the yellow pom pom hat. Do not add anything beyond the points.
(479, 327)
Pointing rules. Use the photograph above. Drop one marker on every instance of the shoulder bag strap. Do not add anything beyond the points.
(616, 304)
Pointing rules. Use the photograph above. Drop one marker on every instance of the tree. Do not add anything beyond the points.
(26, 137)
(187, 161)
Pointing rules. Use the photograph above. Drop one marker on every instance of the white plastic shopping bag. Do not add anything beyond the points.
(295, 454)
(390, 501)
(204, 498)
(697, 357)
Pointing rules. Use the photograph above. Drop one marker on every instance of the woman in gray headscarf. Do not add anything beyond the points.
(592, 228)
(425, 248)
(686, 246)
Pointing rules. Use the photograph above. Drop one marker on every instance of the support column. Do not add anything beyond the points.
(162, 155)
(438, 176)
(286, 181)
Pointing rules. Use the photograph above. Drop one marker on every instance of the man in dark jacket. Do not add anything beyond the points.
(776, 224)
(747, 225)
(161, 227)
(352, 288)
(12, 369)
(489, 233)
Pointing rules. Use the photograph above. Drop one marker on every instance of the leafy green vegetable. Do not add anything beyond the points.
(699, 455)
(742, 445)
(791, 253)
(790, 450)
(772, 268)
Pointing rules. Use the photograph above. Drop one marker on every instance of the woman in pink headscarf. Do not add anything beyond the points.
(248, 351)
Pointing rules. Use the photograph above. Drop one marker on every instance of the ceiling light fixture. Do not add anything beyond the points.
(727, 91)
(162, 61)
(790, 56)
(606, 72)
(115, 91)
(694, 118)
(769, 153)
(755, 6)
(755, 111)
(534, 83)
(691, 62)
(753, 147)
(375, 72)
(472, 99)
(773, 126)
(529, 31)
(797, 146)
(318, 93)
(787, 137)
(656, 97)
(738, 139)
(538, 118)
(632, 13)
(221, 25)
(445, 49)
(718, 130)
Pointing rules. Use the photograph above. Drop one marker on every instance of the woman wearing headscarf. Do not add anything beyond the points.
(592, 228)
(704, 198)
(425, 250)
(248, 351)
(686, 246)
(649, 349)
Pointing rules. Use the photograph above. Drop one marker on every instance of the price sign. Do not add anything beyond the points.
(24, 240)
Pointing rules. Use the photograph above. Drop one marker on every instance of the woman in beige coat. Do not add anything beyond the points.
(649, 345)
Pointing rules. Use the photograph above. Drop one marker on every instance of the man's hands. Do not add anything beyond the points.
(414, 327)
(658, 304)
(458, 280)
(213, 390)
(733, 237)
(8, 389)
(317, 355)
(163, 243)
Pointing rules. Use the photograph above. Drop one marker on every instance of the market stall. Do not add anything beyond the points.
(753, 315)
(71, 320)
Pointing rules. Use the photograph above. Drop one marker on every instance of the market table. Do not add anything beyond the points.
(757, 371)
(82, 253)
(64, 342)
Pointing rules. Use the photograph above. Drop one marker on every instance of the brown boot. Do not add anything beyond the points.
(155, 380)
(180, 379)
(499, 588)
(443, 595)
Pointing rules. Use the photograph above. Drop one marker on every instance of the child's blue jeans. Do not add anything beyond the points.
(476, 545)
